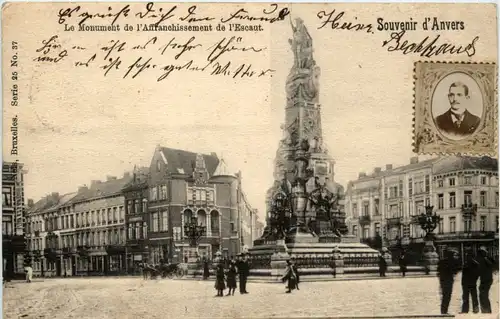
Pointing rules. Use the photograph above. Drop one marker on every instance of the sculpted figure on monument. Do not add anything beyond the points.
(302, 83)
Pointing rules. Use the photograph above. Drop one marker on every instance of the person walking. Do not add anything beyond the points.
(486, 269)
(220, 285)
(402, 263)
(231, 277)
(382, 265)
(290, 277)
(447, 269)
(296, 271)
(469, 284)
(29, 273)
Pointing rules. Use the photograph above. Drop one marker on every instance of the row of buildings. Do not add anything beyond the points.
(462, 190)
(110, 226)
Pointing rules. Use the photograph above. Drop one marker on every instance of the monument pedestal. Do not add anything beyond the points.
(431, 257)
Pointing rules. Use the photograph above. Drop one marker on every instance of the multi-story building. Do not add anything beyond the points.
(382, 205)
(183, 185)
(13, 214)
(80, 233)
(136, 196)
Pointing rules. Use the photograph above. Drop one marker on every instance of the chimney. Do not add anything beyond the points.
(110, 178)
(361, 174)
(31, 202)
(377, 170)
(82, 188)
(414, 160)
(126, 175)
(388, 167)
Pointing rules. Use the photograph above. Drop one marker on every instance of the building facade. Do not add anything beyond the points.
(13, 214)
(183, 185)
(80, 233)
(381, 207)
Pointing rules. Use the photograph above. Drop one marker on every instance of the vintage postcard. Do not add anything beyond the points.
(249, 160)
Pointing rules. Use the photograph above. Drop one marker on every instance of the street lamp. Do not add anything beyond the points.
(194, 231)
(428, 221)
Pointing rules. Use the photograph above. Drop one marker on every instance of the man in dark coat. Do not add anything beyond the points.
(243, 272)
(458, 120)
(469, 284)
(382, 265)
(486, 269)
(403, 263)
(447, 269)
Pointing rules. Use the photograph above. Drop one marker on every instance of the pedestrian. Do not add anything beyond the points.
(402, 263)
(219, 280)
(206, 270)
(243, 272)
(29, 273)
(469, 284)
(290, 277)
(486, 269)
(296, 271)
(382, 265)
(231, 277)
(447, 269)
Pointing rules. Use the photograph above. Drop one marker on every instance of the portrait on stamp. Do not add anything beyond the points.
(455, 108)
(463, 101)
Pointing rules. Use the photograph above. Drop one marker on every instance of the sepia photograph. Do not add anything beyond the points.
(249, 160)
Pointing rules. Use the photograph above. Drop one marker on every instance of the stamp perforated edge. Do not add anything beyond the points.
(414, 111)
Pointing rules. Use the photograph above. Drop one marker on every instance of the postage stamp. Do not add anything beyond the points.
(455, 108)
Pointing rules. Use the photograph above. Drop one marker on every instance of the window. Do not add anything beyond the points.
(451, 181)
(441, 226)
(468, 180)
(468, 225)
(138, 232)
(154, 222)
(393, 191)
(355, 230)
(366, 232)
(453, 203)
(7, 229)
(400, 188)
(144, 205)
(210, 196)
(440, 201)
(177, 231)
(122, 214)
(163, 192)
(467, 198)
(6, 196)
(109, 216)
(497, 224)
(366, 209)
(427, 201)
(190, 194)
(164, 222)
(377, 204)
(355, 210)
(153, 193)
(427, 184)
(453, 224)
(115, 214)
(496, 199)
(440, 183)
(482, 223)
(483, 180)
(145, 230)
(158, 165)
(130, 232)
(214, 223)
(410, 187)
(482, 199)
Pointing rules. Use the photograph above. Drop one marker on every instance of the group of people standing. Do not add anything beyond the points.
(225, 277)
(474, 268)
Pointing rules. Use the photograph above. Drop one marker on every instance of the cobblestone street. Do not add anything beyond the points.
(135, 298)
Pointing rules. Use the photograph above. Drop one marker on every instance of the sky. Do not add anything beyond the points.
(77, 125)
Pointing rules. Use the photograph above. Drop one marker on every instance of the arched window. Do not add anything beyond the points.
(214, 222)
(202, 217)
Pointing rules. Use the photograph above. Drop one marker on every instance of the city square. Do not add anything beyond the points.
(135, 298)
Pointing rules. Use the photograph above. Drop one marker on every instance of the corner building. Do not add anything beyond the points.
(381, 206)
(182, 185)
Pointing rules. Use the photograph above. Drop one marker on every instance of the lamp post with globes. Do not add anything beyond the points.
(428, 221)
(194, 231)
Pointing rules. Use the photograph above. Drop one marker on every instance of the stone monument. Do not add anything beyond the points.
(305, 212)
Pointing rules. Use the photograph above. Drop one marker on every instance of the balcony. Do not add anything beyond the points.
(364, 220)
(115, 249)
(393, 221)
(461, 235)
